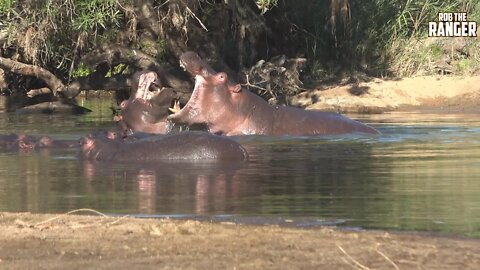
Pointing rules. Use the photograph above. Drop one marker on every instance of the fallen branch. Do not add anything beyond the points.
(53, 83)
(89, 83)
(248, 84)
(39, 224)
(36, 92)
(195, 16)
(68, 213)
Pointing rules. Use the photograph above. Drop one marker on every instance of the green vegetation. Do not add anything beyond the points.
(50, 32)
(413, 53)
(81, 70)
(338, 37)
(118, 69)
(381, 37)
(95, 15)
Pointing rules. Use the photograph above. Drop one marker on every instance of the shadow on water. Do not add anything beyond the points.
(421, 174)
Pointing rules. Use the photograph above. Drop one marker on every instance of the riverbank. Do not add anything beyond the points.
(432, 94)
(45, 241)
(442, 94)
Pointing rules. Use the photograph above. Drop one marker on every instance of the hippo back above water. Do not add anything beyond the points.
(227, 108)
(24, 143)
(184, 146)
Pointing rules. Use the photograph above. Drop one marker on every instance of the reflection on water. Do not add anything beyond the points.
(421, 174)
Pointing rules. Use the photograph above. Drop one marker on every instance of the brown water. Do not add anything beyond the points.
(422, 173)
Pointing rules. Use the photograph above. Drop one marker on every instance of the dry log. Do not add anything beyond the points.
(96, 80)
(57, 107)
(55, 84)
(117, 83)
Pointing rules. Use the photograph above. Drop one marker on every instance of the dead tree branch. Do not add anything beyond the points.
(53, 83)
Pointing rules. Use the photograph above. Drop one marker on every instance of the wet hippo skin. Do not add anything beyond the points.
(184, 146)
(147, 108)
(228, 109)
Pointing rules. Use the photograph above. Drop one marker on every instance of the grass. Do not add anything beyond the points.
(381, 37)
(338, 37)
(52, 32)
(411, 52)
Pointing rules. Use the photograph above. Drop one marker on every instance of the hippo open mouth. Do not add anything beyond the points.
(199, 69)
(149, 89)
(147, 86)
(191, 109)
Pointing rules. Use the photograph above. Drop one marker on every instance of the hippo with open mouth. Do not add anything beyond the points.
(148, 107)
(228, 109)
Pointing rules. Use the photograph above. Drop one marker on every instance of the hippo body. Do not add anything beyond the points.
(184, 146)
(228, 109)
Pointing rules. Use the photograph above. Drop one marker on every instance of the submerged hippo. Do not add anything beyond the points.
(186, 146)
(22, 142)
(14, 142)
(227, 108)
(147, 108)
(46, 142)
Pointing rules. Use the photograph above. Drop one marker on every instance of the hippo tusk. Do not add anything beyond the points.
(175, 108)
(182, 65)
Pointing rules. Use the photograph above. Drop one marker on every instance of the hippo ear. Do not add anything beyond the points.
(235, 88)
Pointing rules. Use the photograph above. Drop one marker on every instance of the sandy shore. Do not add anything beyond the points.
(444, 94)
(45, 241)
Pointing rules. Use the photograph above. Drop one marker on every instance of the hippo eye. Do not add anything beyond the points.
(221, 77)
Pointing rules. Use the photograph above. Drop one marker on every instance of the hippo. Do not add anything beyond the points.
(46, 142)
(228, 109)
(146, 110)
(22, 142)
(184, 146)
(14, 142)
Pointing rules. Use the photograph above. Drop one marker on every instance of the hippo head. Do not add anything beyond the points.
(148, 106)
(44, 142)
(96, 146)
(214, 102)
(87, 146)
(195, 65)
(24, 143)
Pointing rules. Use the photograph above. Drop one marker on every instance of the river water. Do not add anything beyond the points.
(422, 173)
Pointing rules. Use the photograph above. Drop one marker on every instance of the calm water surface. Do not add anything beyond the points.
(422, 173)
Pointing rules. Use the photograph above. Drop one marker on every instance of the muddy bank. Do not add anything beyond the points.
(33, 241)
(428, 93)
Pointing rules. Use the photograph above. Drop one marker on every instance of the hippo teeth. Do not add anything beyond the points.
(176, 107)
